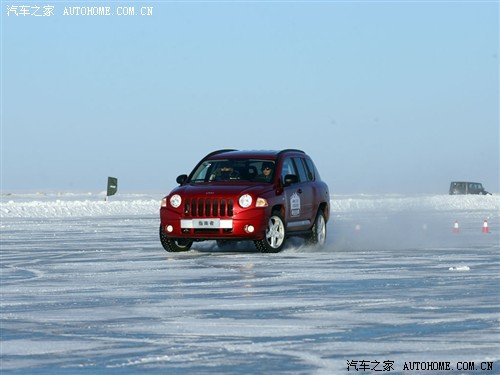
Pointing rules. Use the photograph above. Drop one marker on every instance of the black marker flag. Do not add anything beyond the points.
(112, 186)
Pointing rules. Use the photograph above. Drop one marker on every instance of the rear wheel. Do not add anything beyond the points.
(318, 231)
(274, 240)
(172, 244)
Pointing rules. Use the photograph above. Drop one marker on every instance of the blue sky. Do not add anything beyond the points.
(387, 97)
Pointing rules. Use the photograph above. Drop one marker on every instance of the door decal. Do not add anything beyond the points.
(295, 205)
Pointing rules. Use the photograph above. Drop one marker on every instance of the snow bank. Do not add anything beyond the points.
(78, 205)
(388, 203)
(52, 205)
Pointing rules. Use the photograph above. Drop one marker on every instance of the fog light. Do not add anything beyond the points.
(169, 228)
(249, 228)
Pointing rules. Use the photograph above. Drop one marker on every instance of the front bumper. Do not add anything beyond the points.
(249, 224)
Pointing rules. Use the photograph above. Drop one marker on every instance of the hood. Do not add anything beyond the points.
(221, 190)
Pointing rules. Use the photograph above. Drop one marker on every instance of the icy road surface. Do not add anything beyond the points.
(87, 288)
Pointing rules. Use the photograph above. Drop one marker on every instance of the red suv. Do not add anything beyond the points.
(264, 196)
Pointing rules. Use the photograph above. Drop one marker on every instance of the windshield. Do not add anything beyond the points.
(234, 170)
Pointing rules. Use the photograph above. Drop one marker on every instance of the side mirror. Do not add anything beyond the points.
(181, 179)
(290, 179)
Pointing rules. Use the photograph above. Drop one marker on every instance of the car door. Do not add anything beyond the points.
(306, 191)
(298, 198)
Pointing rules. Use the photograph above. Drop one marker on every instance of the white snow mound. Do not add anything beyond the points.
(51, 205)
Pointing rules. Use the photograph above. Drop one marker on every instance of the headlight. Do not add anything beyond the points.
(245, 200)
(175, 200)
(261, 202)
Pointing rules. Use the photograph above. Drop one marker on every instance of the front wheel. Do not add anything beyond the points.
(318, 231)
(174, 245)
(274, 240)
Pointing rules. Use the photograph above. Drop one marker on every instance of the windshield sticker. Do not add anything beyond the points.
(295, 205)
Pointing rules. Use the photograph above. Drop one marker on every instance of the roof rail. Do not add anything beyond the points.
(290, 149)
(219, 152)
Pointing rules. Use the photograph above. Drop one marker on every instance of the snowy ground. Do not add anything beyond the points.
(87, 287)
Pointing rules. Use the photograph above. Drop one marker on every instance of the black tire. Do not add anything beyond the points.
(172, 244)
(318, 231)
(275, 237)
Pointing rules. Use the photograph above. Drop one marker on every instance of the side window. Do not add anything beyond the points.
(301, 169)
(287, 168)
(310, 169)
(476, 188)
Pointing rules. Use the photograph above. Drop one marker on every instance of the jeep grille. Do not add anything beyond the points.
(210, 207)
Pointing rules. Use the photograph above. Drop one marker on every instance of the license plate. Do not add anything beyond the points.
(206, 223)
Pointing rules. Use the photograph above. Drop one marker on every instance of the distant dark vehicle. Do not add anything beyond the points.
(464, 187)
